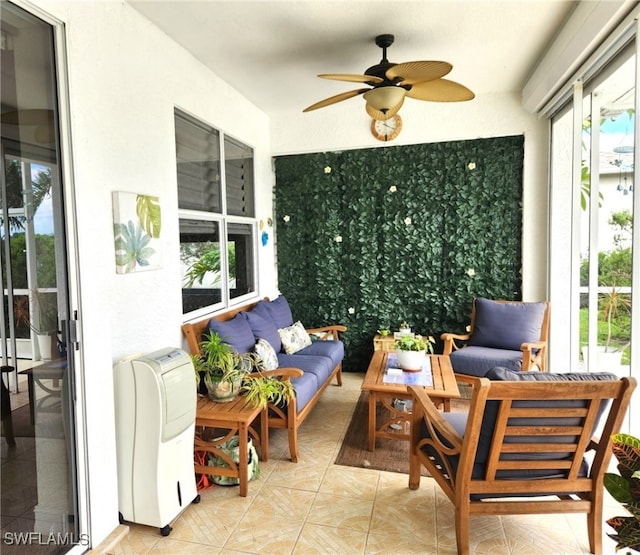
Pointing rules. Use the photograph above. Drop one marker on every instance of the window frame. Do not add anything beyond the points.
(223, 219)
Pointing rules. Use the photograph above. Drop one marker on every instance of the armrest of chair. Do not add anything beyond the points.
(442, 439)
(328, 332)
(450, 341)
(533, 354)
(286, 373)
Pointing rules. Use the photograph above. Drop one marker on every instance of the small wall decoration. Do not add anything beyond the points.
(136, 232)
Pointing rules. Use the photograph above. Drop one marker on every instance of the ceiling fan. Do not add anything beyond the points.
(390, 83)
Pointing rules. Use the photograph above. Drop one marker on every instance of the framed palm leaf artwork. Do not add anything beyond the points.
(136, 232)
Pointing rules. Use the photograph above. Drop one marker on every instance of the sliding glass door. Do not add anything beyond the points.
(607, 217)
(39, 478)
(593, 206)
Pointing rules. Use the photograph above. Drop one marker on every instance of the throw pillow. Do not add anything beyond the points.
(506, 325)
(266, 354)
(294, 338)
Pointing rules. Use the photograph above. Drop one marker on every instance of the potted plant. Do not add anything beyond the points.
(411, 351)
(41, 317)
(221, 368)
(227, 373)
(625, 489)
(612, 305)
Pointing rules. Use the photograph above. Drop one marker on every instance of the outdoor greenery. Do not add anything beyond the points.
(204, 258)
(614, 273)
(44, 303)
(369, 238)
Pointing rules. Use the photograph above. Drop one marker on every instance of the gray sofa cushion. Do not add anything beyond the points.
(306, 386)
(506, 325)
(318, 365)
(236, 332)
(280, 312)
(330, 348)
(263, 327)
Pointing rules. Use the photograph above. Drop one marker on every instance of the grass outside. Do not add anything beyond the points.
(620, 333)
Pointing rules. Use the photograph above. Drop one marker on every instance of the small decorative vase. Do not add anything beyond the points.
(410, 361)
(222, 391)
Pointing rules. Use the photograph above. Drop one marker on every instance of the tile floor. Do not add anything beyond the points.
(317, 507)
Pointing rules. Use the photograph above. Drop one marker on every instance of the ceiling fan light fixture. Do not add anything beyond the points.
(384, 99)
(383, 116)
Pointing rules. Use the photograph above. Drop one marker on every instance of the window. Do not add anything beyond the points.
(217, 216)
(238, 162)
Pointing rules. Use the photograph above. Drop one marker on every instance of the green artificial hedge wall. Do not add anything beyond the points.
(369, 238)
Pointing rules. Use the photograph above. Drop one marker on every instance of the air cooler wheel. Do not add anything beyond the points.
(166, 530)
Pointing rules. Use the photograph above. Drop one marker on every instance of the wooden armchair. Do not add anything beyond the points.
(511, 334)
(522, 440)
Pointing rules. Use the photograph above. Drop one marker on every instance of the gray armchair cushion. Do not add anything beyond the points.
(459, 420)
(504, 374)
(477, 361)
(506, 325)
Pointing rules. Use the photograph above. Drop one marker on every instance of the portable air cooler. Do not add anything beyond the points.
(155, 403)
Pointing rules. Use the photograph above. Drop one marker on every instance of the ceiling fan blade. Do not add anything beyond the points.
(336, 98)
(382, 116)
(352, 78)
(440, 90)
(410, 73)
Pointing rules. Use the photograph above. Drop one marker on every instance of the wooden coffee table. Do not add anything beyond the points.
(444, 388)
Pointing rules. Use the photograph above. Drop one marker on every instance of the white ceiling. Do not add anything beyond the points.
(271, 51)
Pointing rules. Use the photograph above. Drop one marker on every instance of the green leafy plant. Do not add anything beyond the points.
(625, 488)
(218, 363)
(416, 343)
(612, 305)
(45, 309)
(209, 262)
(261, 390)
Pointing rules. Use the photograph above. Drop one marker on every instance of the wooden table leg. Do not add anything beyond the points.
(264, 434)
(372, 421)
(243, 447)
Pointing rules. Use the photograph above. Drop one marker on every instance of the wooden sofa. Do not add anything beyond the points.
(308, 370)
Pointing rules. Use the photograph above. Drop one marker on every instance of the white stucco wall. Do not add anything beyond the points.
(125, 78)
(347, 126)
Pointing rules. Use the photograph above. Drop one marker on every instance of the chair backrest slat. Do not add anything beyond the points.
(538, 426)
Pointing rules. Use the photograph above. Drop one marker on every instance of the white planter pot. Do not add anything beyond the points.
(411, 361)
(45, 346)
(606, 361)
